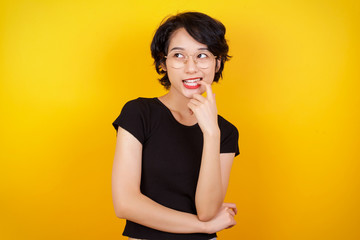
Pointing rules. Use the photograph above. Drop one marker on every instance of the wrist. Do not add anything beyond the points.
(205, 227)
(212, 133)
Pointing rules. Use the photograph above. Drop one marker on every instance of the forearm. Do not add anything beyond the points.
(142, 210)
(209, 192)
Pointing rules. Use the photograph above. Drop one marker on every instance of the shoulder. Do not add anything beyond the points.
(229, 136)
(135, 110)
(226, 126)
(135, 117)
(140, 104)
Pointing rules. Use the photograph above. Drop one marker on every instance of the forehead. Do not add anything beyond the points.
(182, 39)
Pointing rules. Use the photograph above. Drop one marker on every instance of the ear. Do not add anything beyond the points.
(163, 66)
(218, 64)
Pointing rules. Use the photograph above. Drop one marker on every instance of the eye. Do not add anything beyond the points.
(178, 55)
(202, 55)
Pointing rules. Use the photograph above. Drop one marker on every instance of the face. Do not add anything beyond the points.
(183, 80)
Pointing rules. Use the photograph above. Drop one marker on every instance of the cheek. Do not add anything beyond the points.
(172, 75)
(210, 76)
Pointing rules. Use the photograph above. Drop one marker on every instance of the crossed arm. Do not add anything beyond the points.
(215, 167)
(212, 214)
(131, 204)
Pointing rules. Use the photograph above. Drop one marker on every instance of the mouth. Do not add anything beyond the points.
(192, 83)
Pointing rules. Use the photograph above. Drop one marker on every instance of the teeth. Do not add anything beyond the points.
(192, 80)
(193, 84)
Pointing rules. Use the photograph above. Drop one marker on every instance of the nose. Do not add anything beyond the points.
(190, 66)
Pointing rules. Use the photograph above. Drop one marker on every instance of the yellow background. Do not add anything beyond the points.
(67, 68)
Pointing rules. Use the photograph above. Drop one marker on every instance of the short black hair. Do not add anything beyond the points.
(201, 27)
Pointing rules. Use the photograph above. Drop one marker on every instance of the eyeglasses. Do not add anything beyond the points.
(178, 59)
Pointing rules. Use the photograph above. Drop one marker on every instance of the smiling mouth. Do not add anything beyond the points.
(191, 82)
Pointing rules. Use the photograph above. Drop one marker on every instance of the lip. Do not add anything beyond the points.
(192, 84)
(193, 78)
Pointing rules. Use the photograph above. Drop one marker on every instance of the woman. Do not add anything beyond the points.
(174, 153)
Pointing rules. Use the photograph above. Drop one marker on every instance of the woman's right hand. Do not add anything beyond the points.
(224, 219)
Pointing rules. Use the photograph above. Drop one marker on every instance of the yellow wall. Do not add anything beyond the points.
(67, 68)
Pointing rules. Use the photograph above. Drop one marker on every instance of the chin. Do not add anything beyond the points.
(190, 92)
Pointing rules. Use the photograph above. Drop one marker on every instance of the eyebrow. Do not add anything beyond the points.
(180, 48)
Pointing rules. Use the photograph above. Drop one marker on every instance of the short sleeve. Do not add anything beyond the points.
(132, 119)
(229, 137)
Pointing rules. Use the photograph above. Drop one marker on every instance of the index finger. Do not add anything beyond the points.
(231, 205)
(209, 92)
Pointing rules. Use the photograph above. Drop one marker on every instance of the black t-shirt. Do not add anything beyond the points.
(171, 160)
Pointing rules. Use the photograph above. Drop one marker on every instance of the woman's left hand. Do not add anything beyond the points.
(205, 110)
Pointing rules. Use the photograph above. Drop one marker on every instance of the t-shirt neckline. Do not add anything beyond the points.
(172, 116)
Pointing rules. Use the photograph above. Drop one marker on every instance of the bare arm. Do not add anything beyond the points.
(215, 167)
(131, 204)
(213, 182)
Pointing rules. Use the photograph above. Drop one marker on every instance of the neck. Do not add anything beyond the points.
(176, 102)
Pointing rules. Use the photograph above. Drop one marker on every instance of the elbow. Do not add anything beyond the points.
(207, 212)
(124, 202)
(122, 207)
(120, 210)
(119, 214)
(206, 216)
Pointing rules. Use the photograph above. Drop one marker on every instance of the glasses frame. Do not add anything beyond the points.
(186, 58)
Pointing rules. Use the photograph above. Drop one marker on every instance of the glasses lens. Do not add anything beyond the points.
(178, 59)
(204, 59)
